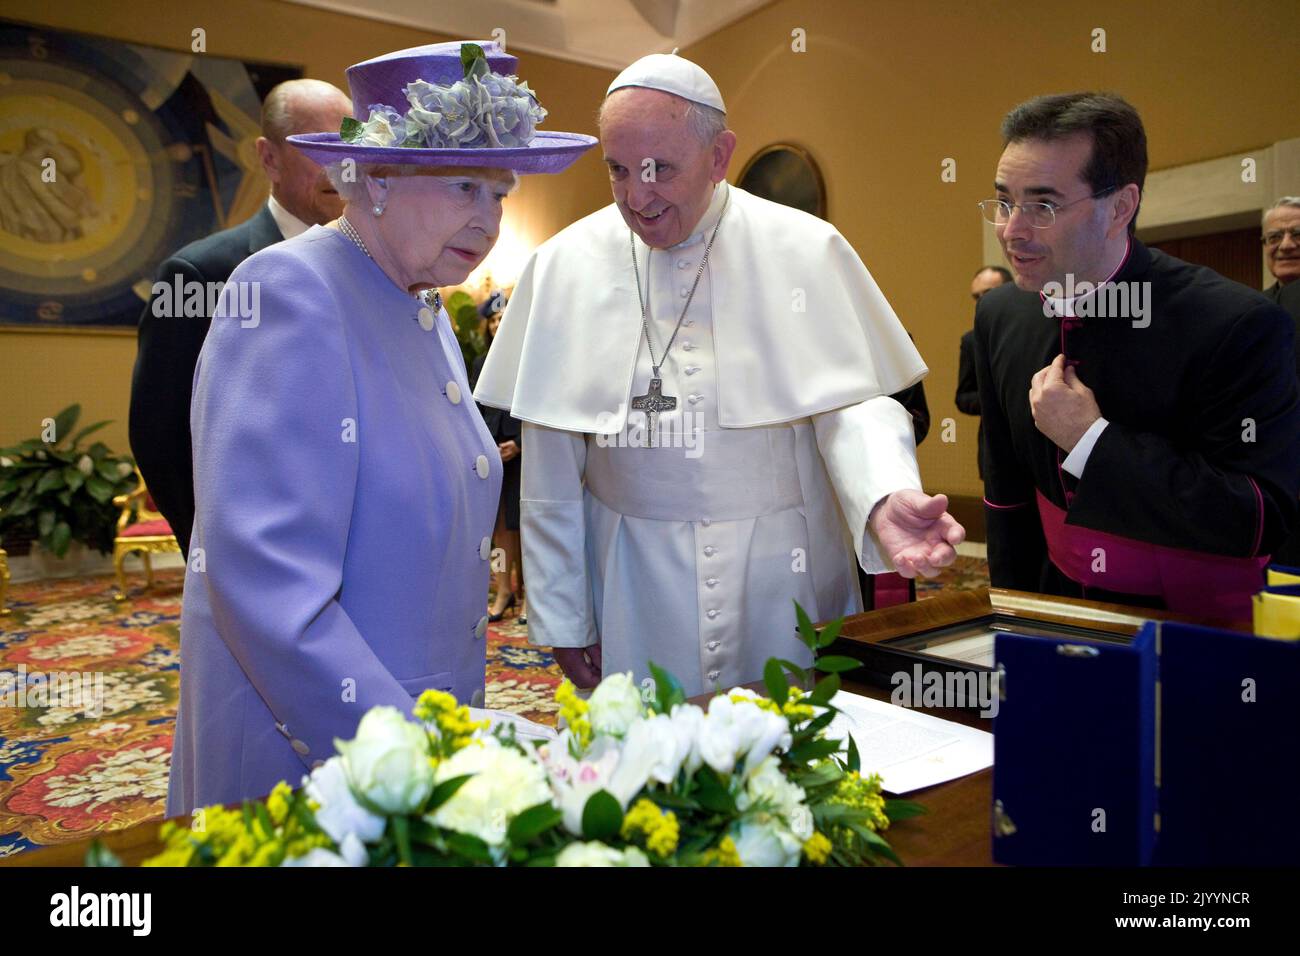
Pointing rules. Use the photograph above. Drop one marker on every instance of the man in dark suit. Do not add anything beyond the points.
(169, 340)
(968, 389)
(1141, 414)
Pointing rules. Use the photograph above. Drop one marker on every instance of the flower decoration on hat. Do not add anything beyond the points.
(483, 110)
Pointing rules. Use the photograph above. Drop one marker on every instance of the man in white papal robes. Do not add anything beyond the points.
(703, 379)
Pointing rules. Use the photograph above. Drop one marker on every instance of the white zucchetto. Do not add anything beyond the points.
(671, 74)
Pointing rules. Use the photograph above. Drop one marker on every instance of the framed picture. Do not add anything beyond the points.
(956, 631)
(112, 157)
(786, 174)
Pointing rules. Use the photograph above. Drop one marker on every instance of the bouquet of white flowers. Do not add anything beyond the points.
(637, 777)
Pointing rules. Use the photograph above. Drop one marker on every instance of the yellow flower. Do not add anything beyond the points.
(277, 804)
(796, 710)
(573, 711)
(660, 827)
(725, 854)
(817, 849)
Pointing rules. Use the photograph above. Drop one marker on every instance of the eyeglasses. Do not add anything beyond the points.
(1039, 215)
(1274, 238)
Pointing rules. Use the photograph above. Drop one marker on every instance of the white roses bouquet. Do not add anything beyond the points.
(637, 777)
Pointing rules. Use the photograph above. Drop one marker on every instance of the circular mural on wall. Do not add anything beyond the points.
(786, 174)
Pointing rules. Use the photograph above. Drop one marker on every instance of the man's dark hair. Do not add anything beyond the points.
(1119, 143)
(1004, 272)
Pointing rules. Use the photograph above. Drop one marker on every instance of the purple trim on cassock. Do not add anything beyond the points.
(1212, 587)
(1004, 507)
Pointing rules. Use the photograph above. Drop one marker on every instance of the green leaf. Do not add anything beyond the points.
(854, 762)
(108, 471)
(45, 522)
(813, 750)
(470, 847)
(51, 479)
(836, 664)
(99, 489)
(401, 827)
(60, 538)
(830, 632)
(350, 131)
(74, 478)
(799, 673)
(88, 430)
(444, 791)
(826, 688)
(471, 54)
(533, 822)
(668, 690)
(807, 633)
(902, 809)
(712, 794)
(602, 817)
(101, 856)
(64, 422)
(778, 687)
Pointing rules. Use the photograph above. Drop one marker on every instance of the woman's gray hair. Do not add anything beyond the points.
(349, 177)
(1284, 201)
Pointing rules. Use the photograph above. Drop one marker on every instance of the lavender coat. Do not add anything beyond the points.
(345, 489)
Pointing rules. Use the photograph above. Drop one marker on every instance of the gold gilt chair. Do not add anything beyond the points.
(140, 528)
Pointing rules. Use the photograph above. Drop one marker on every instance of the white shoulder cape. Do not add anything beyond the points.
(799, 325)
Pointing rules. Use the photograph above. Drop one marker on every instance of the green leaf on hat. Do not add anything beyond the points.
(351, 130)
(471, 55)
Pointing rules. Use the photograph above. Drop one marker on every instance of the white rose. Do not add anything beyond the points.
(598, 854)
(6, 462)
(504, 784)
(766, 843)
(85, 465)
(770, 787)
(736, 730)
(124, 468)
(387, 763)
(340, 815)
(614, 705)
(351, 853)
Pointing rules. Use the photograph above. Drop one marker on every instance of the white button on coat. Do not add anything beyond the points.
(481, 466)
(485, 548)
(453, 393)
(480, 629)
(300, 748)
(426, 319)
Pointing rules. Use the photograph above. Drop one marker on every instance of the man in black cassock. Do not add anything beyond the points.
(1141, 414)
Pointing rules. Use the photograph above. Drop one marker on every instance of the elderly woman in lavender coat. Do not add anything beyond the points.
(346, 486)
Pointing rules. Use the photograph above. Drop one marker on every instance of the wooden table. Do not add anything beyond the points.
(957, 830)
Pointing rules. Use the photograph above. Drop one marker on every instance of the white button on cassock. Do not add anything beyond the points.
(685, 293)
(453, 393)
(692, 369)
(683, 263)
(713, 675)
(712, 582)
(480, 628)
(695, 399)
(710, 551)
(481, 466)
(485, 548)
(714, 645)
(426, 319)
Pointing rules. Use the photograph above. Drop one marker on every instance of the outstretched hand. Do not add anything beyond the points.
(916, 532)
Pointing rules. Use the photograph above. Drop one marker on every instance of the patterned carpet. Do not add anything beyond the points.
(99, 760)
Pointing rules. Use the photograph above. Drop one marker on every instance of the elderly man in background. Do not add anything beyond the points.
(169, 345)
(703, 378)
(1281, 238)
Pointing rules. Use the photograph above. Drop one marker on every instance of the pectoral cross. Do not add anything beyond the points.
(653, 402)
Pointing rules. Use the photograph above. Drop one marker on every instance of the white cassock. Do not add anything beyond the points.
(690, 554)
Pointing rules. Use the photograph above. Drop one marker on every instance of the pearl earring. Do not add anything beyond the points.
(377, 209)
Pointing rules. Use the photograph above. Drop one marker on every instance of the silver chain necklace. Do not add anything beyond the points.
(654, 401)
(431, 297)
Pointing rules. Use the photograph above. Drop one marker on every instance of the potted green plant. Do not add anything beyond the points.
(59, 494)
(468, 324)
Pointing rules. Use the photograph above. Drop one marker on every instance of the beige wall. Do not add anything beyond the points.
(885, 92)
(41, 372)
(890, 88)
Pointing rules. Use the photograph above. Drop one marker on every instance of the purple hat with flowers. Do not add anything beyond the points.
(445, 104)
